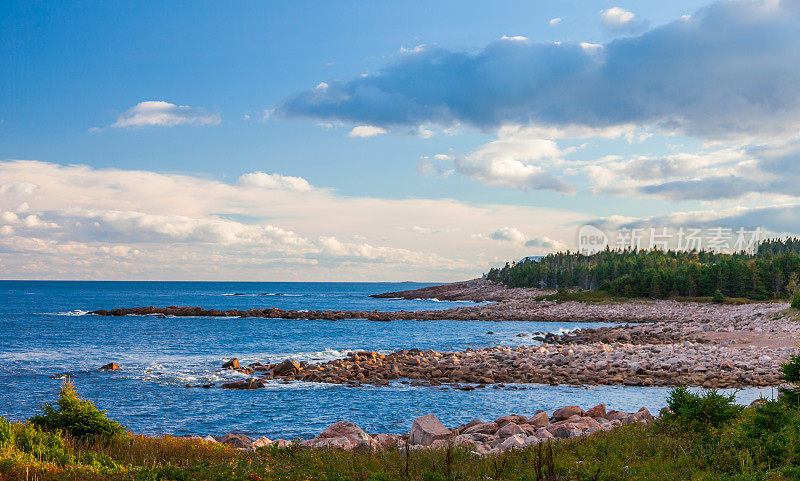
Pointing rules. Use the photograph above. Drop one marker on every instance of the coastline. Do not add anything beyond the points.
(662, 343)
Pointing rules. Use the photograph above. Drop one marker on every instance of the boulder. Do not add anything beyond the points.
(109, 367)
(544, 435)
(474, 422)
(282, 443)
(261, 442)
(342, 435)
(511, 418)
(485, 428)
(644, 415)
(530, 441)
(539, 420)
(509, 429)
(347, 430)
(465, 440)
(328, 443)
(239, 441)
(616, 415)
(210, 439)
(243, 385)
(566, 412)
(388, 440)
(514, 442)
(233, 385)
(232, 364)
(598, 411)
(286, 368)
(426, 430)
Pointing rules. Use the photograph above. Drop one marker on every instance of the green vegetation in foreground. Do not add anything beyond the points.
(604, 297)
(704, 437)
(770, 274)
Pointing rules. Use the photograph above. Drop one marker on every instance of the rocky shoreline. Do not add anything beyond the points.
(511, 310)
(481, 438)
(682, 343)
(720, 353)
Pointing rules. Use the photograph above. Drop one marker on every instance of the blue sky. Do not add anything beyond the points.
(653, 113)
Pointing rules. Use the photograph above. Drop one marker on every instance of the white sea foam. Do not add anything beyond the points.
(260, 294)
(76, 312)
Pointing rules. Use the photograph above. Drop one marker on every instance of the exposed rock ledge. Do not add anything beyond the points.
(512, 310)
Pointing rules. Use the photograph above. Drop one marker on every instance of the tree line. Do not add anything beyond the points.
(771, 272)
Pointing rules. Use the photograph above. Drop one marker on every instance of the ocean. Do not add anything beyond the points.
(47, 335)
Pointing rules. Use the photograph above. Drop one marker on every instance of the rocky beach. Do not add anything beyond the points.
(662, 343)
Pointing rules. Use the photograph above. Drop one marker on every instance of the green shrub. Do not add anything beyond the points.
(43, 446)
(708, 410)
(791, 372)
(796, 300)
(6, 435)
(76, 417)
(718, 297)
(769, 433)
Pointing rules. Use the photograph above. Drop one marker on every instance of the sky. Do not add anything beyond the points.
(385, 141)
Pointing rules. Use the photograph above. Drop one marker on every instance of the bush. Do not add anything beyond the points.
(43, 446)
(769, 432)
(6, 436)
(791, 372)
(718, 297)
(76, 417)
(708, 410)
(796, 300)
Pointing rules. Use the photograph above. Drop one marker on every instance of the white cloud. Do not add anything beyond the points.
(164, 114)
(511, 173)
(616, 18)
(555, 21)
(547, 244)
(18, 188)
(274, 181)
(168, 226)
(366, 131)
(514, 160)
(510, 234)
(517, 237)
(425, 132)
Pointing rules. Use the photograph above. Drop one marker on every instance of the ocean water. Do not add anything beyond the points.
(45, 332)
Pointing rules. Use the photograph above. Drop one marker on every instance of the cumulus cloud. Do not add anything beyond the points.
(547, 244)
(617, 18)
(517, 237)
(510, 173)
(514, 160)
(274, 181)
(678, 77)
(164, 114)
(555, 21)
(510, 234)
(366, 131)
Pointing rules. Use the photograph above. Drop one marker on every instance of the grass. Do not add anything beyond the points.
(705, 438)
(591, 297)
(662, 451)
(604, 297)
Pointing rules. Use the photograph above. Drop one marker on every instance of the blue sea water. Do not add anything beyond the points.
(45, 331)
